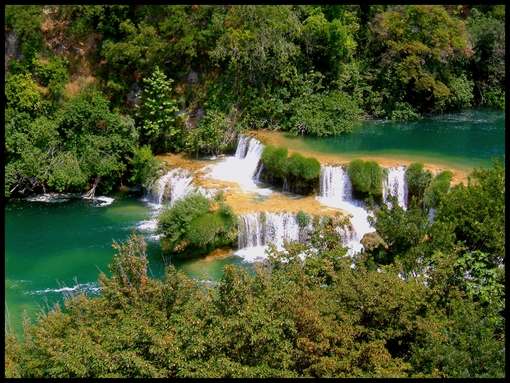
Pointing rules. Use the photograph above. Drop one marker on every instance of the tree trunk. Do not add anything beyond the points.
(92, 192)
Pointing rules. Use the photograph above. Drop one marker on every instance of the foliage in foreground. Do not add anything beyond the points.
(317, 317)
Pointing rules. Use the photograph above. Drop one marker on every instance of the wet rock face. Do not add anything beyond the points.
(12, 47)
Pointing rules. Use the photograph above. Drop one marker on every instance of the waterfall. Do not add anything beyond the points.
(172, 186)
(242, 147)
(242, 166)
(335, 183)
(336, 191)
(396, 185)
(257, 230)
(251, 231)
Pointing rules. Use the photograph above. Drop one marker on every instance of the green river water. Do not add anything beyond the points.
(467, 139)
(50, 246)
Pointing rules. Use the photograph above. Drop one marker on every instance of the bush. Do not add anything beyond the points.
(302, 167)
(145, 166)
(275, 161)
(300, 174)
(403, 111)
(462, 92)
(51, 73)
(417, 181)
(366, 178)
(191, 227)
(303, 219)
(438, 187)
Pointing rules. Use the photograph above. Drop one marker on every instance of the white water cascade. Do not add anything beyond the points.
(336, 191)
(172, 186)
(396, 185)
(242, 166)
(257, 230)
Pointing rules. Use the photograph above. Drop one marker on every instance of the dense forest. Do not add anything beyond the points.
(94, 91)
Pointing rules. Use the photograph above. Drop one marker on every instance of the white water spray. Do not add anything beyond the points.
(257, 230)
(174, 185)
(242, 167)
(396, 185)
(336, 191)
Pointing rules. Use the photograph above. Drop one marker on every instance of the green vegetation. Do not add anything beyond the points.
(145, 166)
(303, 218)
(409, 312)
(437, 188)
(366, 178)
(311, 69)
(417, 182)
(296, 173)
(215, 134)
(192, 227)
(157, 113)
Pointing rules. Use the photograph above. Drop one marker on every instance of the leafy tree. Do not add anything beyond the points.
(157, 113)
(417, 181)
(417, 48)
(487, 31)
(214, 134)
(24, 95)
(477, 212)
(437, 188)
(145, 166)
(323, 114)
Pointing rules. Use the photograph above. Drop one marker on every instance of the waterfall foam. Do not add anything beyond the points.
(173, 185)
(242, 166)
(396, 185)
(336, 191)
(257, 230)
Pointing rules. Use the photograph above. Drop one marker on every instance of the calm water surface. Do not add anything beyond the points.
(467, 139)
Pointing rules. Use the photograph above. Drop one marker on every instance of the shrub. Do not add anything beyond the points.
(51, 73)
(300, 174)
(403, 111)
(417, 181)
(275, 161)
(191, 227)
(438, 187)
(145, 166)
(462, 92)
(366, 178)
(302, 167)
(303, 219)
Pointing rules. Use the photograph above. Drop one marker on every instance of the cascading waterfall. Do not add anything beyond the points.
(257, 230)
(242, 166)
(336, 191)
(174, 185)
(171, 187)
(396, 185)
(335, 183)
